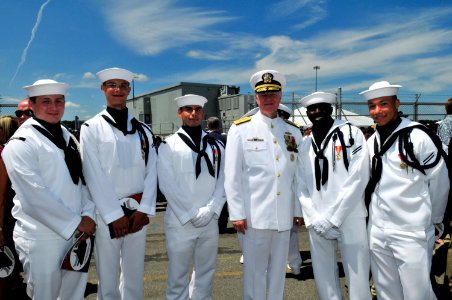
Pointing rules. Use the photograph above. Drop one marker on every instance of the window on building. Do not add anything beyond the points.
(236, 103)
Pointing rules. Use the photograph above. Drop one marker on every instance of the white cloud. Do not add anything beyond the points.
(70, 104)
(310, 11)
(88, 75)
(141, 77)
(150, 27)
(410, 53)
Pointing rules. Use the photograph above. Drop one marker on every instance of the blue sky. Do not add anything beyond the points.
(355, 43)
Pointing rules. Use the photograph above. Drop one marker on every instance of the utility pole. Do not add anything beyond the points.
(316, 68)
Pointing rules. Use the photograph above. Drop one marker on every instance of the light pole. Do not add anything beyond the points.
(316, 68)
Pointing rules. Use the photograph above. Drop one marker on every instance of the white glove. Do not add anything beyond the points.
(203, 217)
(439, 230)
(332, 234)
(321, 225)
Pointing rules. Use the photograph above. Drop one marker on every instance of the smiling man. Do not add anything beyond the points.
(52, 204)
(332, 175)
(408, 195)
(261, 158)
(191, 176)
(120, 166)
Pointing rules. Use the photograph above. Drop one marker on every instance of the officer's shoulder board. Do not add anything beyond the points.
(292, 123)
(242, 120)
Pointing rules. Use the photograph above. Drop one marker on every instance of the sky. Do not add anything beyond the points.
(354, 42)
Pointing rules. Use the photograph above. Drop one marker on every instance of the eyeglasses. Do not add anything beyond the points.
(190, 109)
(113, 85)
(27, 112)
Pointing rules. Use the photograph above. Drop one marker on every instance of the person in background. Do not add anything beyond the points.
(294, 260)
(11, 286)
(261, 158)
(445, 127)
(51, 205)
(441, 265)
(407, 197)
(331, 179)
(214, 130)
(24, 111)
(120, 165)
(191, 176)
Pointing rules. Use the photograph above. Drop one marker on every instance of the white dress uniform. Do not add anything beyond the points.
(186, 244)
(261, 158)
(48, 207)
(114, 168)
(340, 201)
(404, 208)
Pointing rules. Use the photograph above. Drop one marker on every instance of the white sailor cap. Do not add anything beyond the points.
(286, 109)
(380, 89)
(190, 99)
(267, 81)
(115, 73)
(46, 87)
(318, 97)
(251, 112)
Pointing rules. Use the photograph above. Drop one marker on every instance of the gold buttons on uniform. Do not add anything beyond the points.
(277, 157)
(274, 141)
(278, 174)
(278, 193)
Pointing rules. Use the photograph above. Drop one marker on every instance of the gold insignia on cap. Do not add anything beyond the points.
(267, 77)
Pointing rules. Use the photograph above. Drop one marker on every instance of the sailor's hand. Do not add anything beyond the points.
(86, 226)
(298, 221)
(332, 234)
(137, 221)
(120, 227)
(203, 217)
(240, 225)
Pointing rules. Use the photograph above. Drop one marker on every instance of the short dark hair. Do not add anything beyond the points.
(448, 106)
(33, 99)
(213, 123)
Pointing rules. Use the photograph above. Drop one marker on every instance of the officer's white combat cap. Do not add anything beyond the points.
(318, 97)
(190, 99)
(381, 89)
(46, 87)
(267, 81)
(286, 109)
(115, 73)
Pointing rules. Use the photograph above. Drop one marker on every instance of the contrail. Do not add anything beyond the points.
(33, 33)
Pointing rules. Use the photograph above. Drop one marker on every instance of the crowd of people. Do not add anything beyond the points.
(378, 195)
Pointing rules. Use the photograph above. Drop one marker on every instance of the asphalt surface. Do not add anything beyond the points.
(228, 277)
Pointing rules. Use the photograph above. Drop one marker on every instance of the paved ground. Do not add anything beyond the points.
(228, 277)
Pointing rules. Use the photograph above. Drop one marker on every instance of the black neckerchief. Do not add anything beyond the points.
(207, 139)
(386, 130)
(71, 154)
(120, 117)
(319, 134)
(194, 133)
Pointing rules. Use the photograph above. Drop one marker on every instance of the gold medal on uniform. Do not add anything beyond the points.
(338, 152)
(292, 157)
(403, 165)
